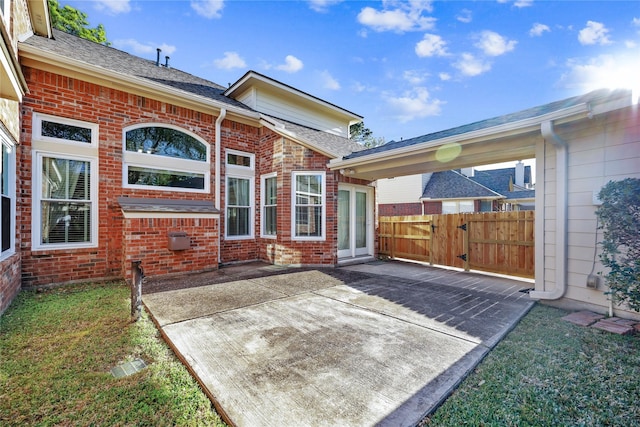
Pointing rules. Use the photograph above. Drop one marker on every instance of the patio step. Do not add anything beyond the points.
(614, 325)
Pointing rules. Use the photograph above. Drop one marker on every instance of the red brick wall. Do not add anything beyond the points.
(146, 240)
(113, 110)
(432, 208)
(399, 209)
(9, 280)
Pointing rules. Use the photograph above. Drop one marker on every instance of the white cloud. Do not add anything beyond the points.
(230, 61)
(414, 77)
(523, 3)
(594, 33)
(471, 66)
(431, 45)
(518, 3)
(444, 76)
(398, 16)
(630, 44)
(464, 16)
(322, 5)
(635, 22)
(538, 29)
(114, 6)
(291, 65)
(208, 8)
(138, 48)
(414, 105)
(493, 44)
(328, 81)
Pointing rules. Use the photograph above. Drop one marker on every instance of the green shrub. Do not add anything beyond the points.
(619, 217)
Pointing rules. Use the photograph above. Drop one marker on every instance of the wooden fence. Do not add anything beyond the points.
(497, 242)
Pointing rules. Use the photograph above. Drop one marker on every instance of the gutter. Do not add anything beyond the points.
(218, 136)
(558, 292)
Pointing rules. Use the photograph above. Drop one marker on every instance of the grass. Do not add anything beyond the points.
(548, 372)
(56, 350)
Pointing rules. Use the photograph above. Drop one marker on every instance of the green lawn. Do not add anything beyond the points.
(56, 350)
(549, 372)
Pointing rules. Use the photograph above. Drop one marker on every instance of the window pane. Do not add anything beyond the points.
(238, 160)
(238, 192)
(308, 221)
(361, 220)
(66, 131)
(270, 220)
(344, 199)
(164, 178)
(238, 221)
(6, 223)
(65, 179)
(271, 187)
(6, 155)
(165, 142)
(66, 222)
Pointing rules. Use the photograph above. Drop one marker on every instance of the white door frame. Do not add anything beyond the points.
(352, 251)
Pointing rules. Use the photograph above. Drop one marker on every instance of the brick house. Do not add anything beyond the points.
(124, 159)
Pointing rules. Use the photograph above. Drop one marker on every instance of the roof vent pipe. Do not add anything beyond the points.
(166, 62)
(158, 57)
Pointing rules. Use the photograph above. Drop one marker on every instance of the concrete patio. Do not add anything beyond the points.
(382, 343)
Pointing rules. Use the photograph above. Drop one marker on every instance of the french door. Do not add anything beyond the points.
(355, 221)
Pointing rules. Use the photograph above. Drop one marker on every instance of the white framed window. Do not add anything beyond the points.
(65, 206)
(458, 206)
(166, 158)
(308, 205)
(60, 130)
(240, 195)
(7, 196)
(269, 205)
(65, 183)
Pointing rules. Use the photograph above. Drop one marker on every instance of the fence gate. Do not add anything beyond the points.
(498, 242)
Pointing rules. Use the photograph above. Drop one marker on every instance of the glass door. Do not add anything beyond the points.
(355, 221)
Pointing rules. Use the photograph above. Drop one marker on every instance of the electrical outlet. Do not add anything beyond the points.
(593, 281)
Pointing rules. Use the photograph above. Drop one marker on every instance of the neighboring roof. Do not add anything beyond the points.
(135, 204)
(499, 180)
(333, 145)
(253, 79)
(454, 185)
(119, 62)
(595, 96)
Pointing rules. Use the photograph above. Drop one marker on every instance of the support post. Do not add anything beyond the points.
(136, 290)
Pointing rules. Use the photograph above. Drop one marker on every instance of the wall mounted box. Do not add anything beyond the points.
(179, 241)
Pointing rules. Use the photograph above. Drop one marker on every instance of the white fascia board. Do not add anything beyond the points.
(281, 130)
(508, 129)
(125, 80)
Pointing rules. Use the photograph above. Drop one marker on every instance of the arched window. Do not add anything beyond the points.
(165, 157)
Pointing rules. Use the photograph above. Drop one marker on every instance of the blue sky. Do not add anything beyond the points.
(409, 67)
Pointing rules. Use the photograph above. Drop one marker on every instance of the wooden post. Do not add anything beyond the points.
(136, 290)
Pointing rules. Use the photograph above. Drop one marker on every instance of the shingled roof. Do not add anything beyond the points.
(500, 180)
(119, 62)
(453, 185)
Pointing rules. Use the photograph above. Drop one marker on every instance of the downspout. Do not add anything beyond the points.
(223, 114)
(561, 214)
